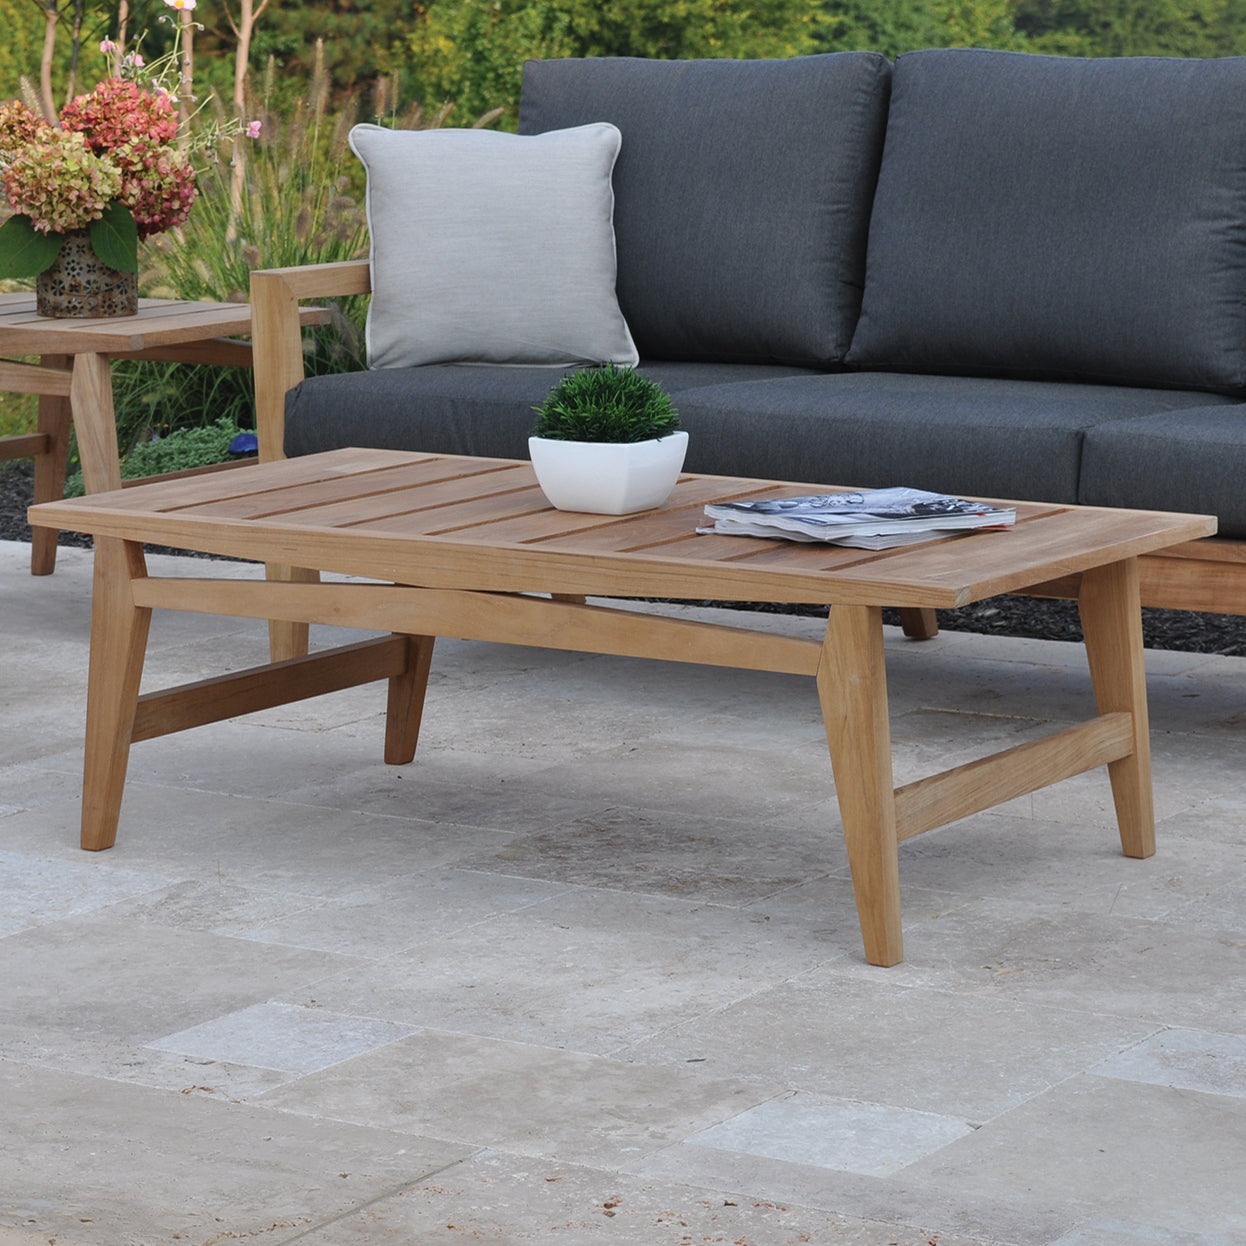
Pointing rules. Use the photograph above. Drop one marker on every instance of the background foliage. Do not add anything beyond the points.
(314, 69)
(390, 54)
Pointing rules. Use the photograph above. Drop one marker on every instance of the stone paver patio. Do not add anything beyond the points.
(590, 970)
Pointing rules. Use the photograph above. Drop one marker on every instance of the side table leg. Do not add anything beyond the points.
(852, 685)
(90, 394)
(1112, 623)
(118, 646)
(54, 423)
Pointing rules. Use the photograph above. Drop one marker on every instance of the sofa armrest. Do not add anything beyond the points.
(276, 338)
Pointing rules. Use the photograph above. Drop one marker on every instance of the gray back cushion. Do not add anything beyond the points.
(742, 195)
(1051, 217)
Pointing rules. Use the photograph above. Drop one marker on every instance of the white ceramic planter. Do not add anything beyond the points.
(608, 478)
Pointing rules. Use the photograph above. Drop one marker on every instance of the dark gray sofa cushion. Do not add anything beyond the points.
(1192, 461)
(994, 438)
(454, 409)
(742, 195)
(1052, 217)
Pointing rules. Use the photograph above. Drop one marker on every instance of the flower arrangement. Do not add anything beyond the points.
(111, 167)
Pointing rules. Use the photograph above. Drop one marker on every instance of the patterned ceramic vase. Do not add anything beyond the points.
(78, 284)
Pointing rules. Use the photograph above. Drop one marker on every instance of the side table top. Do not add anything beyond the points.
(445, 521)
(159, 322)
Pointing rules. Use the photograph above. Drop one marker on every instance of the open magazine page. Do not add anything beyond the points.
(875, 513)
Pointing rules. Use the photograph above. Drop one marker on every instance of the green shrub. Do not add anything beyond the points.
(154, 399)
(18, 414)
(606, 404)
(181, 450)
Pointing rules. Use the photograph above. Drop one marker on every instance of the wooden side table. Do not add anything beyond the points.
(73, 381)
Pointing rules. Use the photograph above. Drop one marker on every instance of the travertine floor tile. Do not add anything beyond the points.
(37, 891)
(95, 1162)
(923, 1050)
(631, 848)
(1124, 1233)
(74, 984)
(1184, 1059)
(261, 844)
(521, 1098)
(589, 970)
(845, 1134)
(1151, 1155)
(281, 1037)
(495, 1197)
(1158, 973)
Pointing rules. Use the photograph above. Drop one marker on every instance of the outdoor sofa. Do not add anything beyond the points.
(979, 272)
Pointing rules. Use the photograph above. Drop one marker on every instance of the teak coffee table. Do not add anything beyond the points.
(461, 544)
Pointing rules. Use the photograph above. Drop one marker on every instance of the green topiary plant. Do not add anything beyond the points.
(607, 404)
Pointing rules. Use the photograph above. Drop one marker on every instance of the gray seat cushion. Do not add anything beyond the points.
(454, 409)
(993, 438)
(742, 195)
(1191, 461)
(1053, 217)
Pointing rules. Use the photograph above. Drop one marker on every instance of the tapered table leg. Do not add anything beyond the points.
(1112, 624)
(118, 645)
(54, 423)
(919, 623)
(405, 706)
(90, 393)
(852, 686)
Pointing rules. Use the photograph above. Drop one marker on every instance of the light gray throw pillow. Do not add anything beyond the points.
(492, 248)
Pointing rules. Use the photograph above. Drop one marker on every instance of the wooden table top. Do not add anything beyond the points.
(470, 523)
(159, 322)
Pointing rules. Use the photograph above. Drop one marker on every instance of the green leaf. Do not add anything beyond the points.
(24, 251)
(114, 238)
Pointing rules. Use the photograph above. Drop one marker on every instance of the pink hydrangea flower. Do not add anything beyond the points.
(60, 183)
(136, 130)
(116, 144)
(19, 126)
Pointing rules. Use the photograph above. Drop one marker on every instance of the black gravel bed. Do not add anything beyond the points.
(1182, 630)
(17, 492)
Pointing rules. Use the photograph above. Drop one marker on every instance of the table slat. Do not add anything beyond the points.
(655, 553)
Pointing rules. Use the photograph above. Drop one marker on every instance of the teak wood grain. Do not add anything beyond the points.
(468, 548)
(410, 518)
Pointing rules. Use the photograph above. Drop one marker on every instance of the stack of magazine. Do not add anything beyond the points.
(873, 519)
